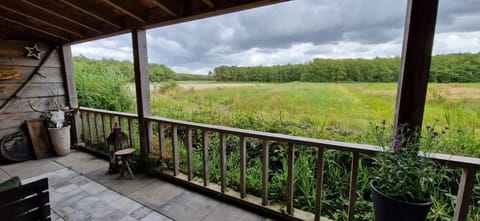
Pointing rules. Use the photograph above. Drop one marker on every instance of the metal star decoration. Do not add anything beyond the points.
(34, 52)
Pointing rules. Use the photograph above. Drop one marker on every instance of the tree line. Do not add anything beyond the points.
(444, 68)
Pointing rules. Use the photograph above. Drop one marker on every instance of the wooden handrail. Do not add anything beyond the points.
(96, 121)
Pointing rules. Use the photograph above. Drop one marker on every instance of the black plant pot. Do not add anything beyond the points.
(389, 209)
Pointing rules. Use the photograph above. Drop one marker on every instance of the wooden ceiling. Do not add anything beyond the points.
(71, 21)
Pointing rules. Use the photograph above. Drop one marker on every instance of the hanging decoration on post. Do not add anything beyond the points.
(34, 52)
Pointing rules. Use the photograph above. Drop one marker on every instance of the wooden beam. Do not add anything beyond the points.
(416, 56)
(71, 89)
(62, 14)
(165, 6)
(209, 3)
(140, 62)
(27, 11)
(26, 24)
(93, 12)
(129, 8)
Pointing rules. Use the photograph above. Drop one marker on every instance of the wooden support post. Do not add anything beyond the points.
(464, 194)
(71, 90)
(416, 56)
(140, 62)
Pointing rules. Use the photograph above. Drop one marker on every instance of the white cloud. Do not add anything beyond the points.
(295, 32)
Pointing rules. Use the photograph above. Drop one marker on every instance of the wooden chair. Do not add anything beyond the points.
(26, 202)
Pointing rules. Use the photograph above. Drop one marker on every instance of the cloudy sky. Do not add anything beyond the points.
(295, 32)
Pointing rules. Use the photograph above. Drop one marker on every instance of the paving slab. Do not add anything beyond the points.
(75, 197)
(3, 175)
(122, 185)
(228, 212)
(189, 206)
(82, 162)
(156, 194)
(31, 168)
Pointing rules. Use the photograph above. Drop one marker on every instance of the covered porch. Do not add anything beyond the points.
(54, 25)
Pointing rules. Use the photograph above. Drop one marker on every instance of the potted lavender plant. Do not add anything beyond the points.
(403, 178)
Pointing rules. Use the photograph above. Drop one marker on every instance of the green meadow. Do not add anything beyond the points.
(336, 111)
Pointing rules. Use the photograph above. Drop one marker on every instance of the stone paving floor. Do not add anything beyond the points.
(80, 189)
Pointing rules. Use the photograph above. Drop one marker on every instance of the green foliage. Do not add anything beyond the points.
(444, 68)
(192, 77)
(100, 86)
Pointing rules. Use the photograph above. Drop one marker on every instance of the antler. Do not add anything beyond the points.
(37, 110)
(70, 110)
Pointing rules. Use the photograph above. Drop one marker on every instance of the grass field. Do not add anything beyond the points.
(336, 111)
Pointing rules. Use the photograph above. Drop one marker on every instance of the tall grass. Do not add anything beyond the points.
(345, 112)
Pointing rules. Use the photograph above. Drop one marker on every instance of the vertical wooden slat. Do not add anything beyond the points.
(188, 142)
(175, 150)
(98, 127)
(223, 163)
(90, 127)
(150, 136)
(265, 173)
(290, 163)
(318, 198)
(121, 120)
(85, 126)
(465, 189)
(161, 142)
(105, 131)
(131, 133)
(353, 187)
(243, 167)
(206, 179)
(112, 122)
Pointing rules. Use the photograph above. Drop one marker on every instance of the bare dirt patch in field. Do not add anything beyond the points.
(190, 86)
(456, 93)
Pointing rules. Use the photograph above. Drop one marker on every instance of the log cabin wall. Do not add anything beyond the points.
(38, 81)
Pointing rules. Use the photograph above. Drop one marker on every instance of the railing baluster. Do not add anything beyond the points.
(85, 126)
(465, 189)
(161, 143)
(105, 131)
(90, 127)
(265, 173)
(318, 199)
(223, 162)
(131, 133)
(175, 149)
(150, 137)
(206, 179)
(98, 127)
(121, 120)
(243, 167)
(112, 122)
(290, 163)
(188, 143)
(353, 187)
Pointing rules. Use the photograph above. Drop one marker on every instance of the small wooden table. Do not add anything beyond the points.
(125, 156)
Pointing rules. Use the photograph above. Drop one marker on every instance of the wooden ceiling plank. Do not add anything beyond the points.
(92, 11)
(29, 26)
(35, 18)
(165, 7)
(129, 9)
(209, 3)
(62, 15)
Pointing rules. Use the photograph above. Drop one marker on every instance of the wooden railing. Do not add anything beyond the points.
(96, 125)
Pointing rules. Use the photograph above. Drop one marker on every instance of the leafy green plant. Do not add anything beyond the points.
(402, 171)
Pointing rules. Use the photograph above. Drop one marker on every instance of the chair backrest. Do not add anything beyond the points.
(26, 202)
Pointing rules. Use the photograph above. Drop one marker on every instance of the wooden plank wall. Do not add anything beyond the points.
(13, 55)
